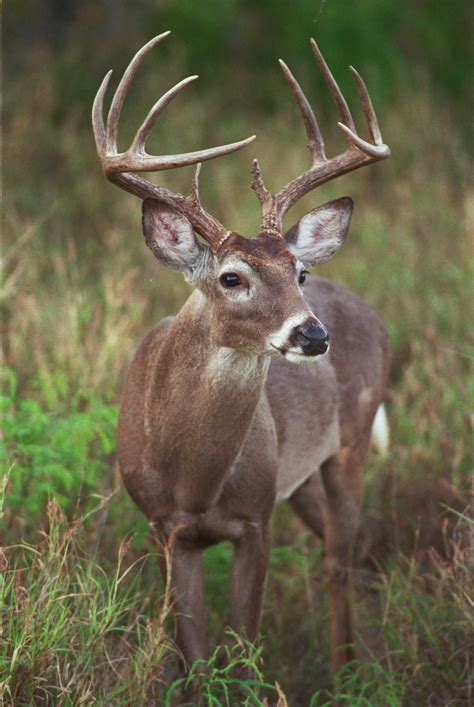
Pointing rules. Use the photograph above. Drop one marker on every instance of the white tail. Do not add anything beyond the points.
(381, 431)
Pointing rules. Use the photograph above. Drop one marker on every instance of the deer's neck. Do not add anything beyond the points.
(201, 402)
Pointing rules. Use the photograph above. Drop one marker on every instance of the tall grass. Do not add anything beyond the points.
(84, 615)
(73, 632)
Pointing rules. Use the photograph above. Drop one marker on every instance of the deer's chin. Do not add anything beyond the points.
(296, 356)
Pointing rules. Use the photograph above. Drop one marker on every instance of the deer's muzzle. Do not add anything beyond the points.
(312, 338)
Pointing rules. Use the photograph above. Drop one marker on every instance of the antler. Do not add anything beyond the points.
(117, 166)
(358, 152)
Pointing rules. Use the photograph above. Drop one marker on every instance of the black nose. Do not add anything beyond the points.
(313, 339)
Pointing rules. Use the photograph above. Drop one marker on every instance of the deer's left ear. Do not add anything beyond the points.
(319, 234)
(170, 237)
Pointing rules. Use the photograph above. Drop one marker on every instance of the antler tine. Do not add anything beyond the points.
(98, 126)
(257, 182)
(194, 195)
(377, 151)
(336, 92)
(313, 132)
(369, 111)
(138, 144)
(122, 90)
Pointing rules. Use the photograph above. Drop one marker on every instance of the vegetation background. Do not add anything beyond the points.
(84, 615)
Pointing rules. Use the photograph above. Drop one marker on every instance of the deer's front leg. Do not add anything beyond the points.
(187, 585)
(249, 579)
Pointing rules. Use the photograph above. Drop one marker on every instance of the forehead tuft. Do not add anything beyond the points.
(260, 249)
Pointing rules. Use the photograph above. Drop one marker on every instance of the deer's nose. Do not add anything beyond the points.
(312, 338)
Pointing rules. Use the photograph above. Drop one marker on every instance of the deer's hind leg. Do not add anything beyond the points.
(308, 504)
(342, 477)
(249, 579)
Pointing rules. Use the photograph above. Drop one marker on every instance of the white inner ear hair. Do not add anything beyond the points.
(174, 233)
(319, 235)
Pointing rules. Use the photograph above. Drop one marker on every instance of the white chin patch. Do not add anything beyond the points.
(295, 357)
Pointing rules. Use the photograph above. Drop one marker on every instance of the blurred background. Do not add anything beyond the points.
(80, 290)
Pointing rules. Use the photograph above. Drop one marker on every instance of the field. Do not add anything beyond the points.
(85, 617)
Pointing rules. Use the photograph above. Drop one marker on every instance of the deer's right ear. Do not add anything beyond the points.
(319, 234)
(170, 237)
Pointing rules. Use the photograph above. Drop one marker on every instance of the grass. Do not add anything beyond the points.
(76, 632)
(77, 629)
(85, 618)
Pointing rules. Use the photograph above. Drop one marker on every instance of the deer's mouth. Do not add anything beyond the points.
(299, 356)
(285, 352)
(280, 351)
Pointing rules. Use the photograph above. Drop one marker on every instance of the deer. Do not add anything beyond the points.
(264, 386)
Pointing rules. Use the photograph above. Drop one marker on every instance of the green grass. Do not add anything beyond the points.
(85, 617)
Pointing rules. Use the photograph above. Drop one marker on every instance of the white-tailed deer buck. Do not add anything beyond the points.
(238, 402)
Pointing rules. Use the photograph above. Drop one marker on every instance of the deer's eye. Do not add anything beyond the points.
(230, 279)
(302, 276)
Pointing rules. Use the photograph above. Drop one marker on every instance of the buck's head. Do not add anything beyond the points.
(253, 286)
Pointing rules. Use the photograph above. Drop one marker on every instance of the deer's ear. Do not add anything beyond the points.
(319, 234)
(170, 237)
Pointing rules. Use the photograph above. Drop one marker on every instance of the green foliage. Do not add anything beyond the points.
(232, 675)
(364, 685)
(61, 454)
